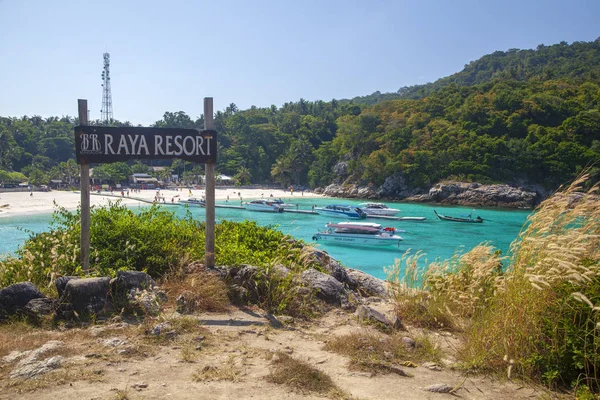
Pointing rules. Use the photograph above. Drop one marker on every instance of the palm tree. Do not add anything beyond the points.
(281, 171)
(243, 176)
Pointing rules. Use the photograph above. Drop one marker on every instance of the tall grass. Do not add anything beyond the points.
(537, 319)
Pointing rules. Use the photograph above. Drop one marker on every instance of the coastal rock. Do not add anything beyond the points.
(325, 261)
(15, 297)
(367, 285)
(340, 171)
(350, 191)
(475, 194)
(327, 288)
(88, 296)
(394, 187)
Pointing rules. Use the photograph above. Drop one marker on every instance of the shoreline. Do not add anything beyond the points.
(24, 203)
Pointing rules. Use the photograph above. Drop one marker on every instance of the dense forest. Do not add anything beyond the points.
(521, 116)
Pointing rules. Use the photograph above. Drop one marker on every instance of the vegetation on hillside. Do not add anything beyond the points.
(521, 116)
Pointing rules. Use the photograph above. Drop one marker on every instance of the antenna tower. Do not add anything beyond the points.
(107, 111)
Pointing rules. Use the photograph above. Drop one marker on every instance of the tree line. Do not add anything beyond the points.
(521, 116)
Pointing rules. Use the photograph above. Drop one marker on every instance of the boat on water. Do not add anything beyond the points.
(359, 233)
(192, 201)
(341, 211)
(378, 209)
(468, 218)
(282, 204)
(262, 205)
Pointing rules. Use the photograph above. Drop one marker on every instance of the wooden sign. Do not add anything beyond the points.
(101, 144)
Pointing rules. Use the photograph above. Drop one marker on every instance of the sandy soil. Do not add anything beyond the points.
(238, 343)
(22, 203)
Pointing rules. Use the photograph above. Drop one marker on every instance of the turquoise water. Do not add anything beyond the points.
(435, 238)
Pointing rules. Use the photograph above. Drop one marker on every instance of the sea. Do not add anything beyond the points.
(436, 240)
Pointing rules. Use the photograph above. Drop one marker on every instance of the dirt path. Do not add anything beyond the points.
(228, 356)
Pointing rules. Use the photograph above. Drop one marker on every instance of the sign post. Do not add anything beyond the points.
(84, 185)
(104, 144)
(209, 241)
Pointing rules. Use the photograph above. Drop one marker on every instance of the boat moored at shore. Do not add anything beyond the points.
(378, 209)
(469, 218)
(359, 233)
(262, 205)
(341, 211)
(192, 201)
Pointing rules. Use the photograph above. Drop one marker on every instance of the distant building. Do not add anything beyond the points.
(143, 179)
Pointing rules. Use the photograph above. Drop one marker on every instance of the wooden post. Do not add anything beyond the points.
(85, 195)
(209, 245)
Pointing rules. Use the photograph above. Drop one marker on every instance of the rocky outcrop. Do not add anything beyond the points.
(458, 193)
(326, 287)
(475, 194)
(350, 191)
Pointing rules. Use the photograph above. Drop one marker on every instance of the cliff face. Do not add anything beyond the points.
(475, 194)
(460, 193)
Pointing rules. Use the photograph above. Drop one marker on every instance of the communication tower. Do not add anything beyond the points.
(107, 111)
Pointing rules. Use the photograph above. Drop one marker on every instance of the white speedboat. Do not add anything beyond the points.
(262, 205)
(192, 201)
(281, 203)
(341, 211)
(359, 233)
(378, 209)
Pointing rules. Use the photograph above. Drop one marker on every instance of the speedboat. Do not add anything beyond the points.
(341, 211)
(378, 209)
(262, 205)
(192, 201)
(281, 204)
(359, 233)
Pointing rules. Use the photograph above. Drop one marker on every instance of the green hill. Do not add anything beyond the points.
(579, 61)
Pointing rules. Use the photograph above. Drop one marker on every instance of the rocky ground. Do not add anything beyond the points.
(224, 356)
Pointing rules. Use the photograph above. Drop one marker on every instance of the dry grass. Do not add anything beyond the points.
(374, 352)
(300, 376)
(228, 371)
(202, 291)
(539, 317)
(61, 376)
(549, 297)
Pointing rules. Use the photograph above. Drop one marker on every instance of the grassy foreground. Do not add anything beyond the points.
(536, 319)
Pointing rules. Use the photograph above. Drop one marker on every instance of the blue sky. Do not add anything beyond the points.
(169, 55)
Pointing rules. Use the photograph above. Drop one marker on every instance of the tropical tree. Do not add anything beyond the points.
(282, 171)
(243, 176)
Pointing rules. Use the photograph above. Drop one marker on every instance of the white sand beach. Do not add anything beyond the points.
(21, 203)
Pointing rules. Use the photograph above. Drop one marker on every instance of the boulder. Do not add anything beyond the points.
(329, 264)
(88, 296)
(370, 315)
(367, 285)
(37, 309)
(327, 288)
(130, 281)
(14, 298)
(61, 283)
